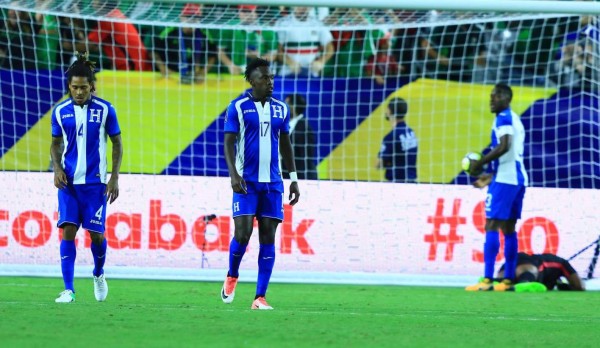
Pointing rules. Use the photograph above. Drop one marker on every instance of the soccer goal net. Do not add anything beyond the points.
(171, 68)
(346, 63)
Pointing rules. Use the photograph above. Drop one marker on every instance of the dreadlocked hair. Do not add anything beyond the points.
(82, 67)
(253, 65)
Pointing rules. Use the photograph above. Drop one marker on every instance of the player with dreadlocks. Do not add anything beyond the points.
(80, 127)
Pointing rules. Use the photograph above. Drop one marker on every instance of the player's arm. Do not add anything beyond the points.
(287, 154)
(112, 187)
(497, 152)
(483, 180)
(237, 182)
(56, 150)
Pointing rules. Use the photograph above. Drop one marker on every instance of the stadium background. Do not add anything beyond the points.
(359, 100)
(173, 139)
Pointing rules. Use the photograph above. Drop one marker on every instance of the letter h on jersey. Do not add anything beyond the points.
(95, 115)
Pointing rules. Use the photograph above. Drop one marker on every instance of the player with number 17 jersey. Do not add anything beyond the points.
(258, 128)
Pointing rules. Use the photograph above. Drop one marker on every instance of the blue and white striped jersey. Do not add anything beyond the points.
(509, 167)
(257, 130)
(84, 130)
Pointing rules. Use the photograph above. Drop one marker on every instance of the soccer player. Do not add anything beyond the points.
(256, 130)
(398, 154)
(547, 269)
(504, 199)
(80, 126)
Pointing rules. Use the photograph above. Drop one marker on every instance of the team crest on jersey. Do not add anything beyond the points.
(95, 115)
(277, 111)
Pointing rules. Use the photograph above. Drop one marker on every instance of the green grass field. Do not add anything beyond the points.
(190, 314)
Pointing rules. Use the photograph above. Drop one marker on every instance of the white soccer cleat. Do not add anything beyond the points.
(100, 288)
(66, 296)
(260, 303)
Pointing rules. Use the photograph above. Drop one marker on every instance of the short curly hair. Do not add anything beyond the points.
(253, 65)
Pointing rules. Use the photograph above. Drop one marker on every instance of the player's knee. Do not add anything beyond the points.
(97, 238)
(492, 225)
(69, 231)
(242, 237)
(266, 238)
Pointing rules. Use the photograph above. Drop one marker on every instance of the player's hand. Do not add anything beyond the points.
(60, 178)
(483, 181)
(112, 189)
(238, 184)
(475, 166)
(294, 193)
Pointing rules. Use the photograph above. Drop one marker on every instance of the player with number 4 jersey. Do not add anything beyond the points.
(80, 128)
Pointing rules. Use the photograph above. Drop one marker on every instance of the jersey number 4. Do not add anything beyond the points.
(80, 131)
(98, 214)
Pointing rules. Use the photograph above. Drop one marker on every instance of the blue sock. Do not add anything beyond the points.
(99, 253)
(511, 249)
(236, 253)
(266, 261)
(68, 252)
(490, 251)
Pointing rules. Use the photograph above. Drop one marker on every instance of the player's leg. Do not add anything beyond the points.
(244, 208)
(237, 249)
(512, 203)
(491, 245)
(94, 218)
(270, 214)
(98, 248)
(266, 260)
(68, 253)
(511, 249)
(69, 221)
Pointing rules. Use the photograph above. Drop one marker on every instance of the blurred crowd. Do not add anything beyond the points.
(303, 41)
